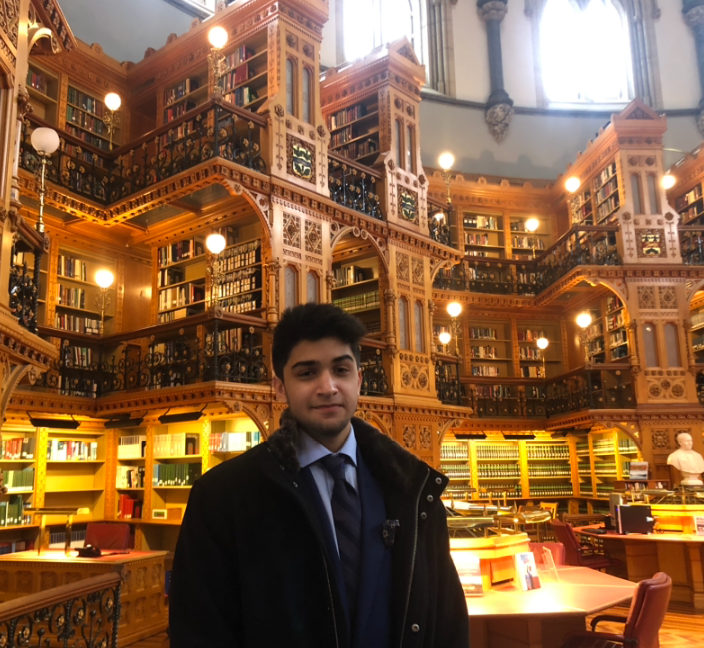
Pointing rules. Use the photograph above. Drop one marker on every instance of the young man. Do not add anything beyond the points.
(329, 535)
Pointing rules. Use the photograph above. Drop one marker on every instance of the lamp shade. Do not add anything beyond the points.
(217, 37)
(532, 224)
(572, 184)
(438, 216)
(444, 337)
(45, 140)
(446, 160)
(668, 181)
(584, 320)
(215, 243)
(454, 309)
(104, 278)
(542, 343)
(113, 101)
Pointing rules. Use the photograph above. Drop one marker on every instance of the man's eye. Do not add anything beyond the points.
(343, 370)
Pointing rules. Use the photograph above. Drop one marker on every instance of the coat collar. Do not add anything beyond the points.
(386, 459)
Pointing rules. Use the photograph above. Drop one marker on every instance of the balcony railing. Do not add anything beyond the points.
(213, 130)
(374, 380)
(84, 613)
(439, 227)
(168, 355)
(25, 277)
(582, 245)
(447, 382)
(506, 400)
(593, 388)
(354, 186)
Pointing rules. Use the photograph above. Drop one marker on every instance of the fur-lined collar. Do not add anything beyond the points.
(385, 458)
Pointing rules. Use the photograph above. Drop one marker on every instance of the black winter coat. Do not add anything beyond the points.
(250, 569)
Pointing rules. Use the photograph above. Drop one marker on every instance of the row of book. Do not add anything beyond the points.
(614, 321)
(67, 387)
(179, 91)
(233, 441)
(357, 150)
(482, 333)
(60, 450)
(72, 268)
(531, 372)
(77, 324)
(238, 56)
(78, 357)
(241, 96)
(174, 112)
(613, 304)
(180, 251)
(343, 117)
(177, 474)
(528, 242)
(176, 445)
(12, 512)
(171, 316)
(129, 508)
(527, 335)
(87, 137)
(18, 448)
(230, 340)
(358, 302)
(608, 207)
(347, 275)
(130, 477)
(19, 480)
(618, 338)
(603, 193)
(690, 197)
(485, 371)
(132, 446)
(74, 297)
(529, 353)
(475, 221)
(343, 136)
(608, 172)
(176, 133)
(37, 81)
(483, 352)
(86, 156)
(242, 255)
(180, 296)
(86, 102)
(476, 239)
(241, 303)
(240, 74)
(84, 120)
(239, 282)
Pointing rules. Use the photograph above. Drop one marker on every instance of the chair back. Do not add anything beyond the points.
(567, 537)
(106, 535)
(648, 609)
(556, 548)
(550, 506)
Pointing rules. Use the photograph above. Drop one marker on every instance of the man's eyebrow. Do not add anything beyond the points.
(314, 363)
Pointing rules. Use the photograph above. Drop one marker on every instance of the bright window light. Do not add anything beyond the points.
(573, 70)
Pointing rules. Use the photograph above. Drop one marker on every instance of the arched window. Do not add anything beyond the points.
(290, 87)
(366, 24)
(573, 68)
(290, 288)
(653, 194)
(650, 343)
(399, 144)
(637, 191)
(410, 143)
(403, 323)
(312, 287)
(307, 115)
(418, 326)
(672, 345)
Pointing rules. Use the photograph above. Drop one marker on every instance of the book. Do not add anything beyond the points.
(526, 571)
(469, 570)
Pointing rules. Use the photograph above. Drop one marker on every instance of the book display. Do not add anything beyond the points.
(354, 131)
(598, 200)
(184, 96)
(43, 89)
(244, 78)
(490, 347)
(84, 119)
(616, 319)
(181, 279)
(356, 289)
(483, 235)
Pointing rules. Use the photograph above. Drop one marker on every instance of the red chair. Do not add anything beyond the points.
(575, 553)
(557, 549)
(643, 622)
(106, 535)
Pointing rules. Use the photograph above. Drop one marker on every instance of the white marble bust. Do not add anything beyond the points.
(689, 462)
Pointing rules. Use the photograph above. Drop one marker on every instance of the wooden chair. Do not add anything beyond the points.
(642, 625)
(575, 553)
(550, 506)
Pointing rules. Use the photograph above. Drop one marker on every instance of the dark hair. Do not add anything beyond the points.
(313, 322)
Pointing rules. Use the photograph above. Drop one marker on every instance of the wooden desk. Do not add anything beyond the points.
(142, 599)
(679, 555)
(508, 618)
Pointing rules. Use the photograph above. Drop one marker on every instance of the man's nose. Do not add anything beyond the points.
(327, 383)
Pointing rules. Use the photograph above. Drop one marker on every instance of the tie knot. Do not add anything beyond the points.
(335, 465)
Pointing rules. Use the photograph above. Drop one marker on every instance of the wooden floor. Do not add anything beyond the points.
(682, 628)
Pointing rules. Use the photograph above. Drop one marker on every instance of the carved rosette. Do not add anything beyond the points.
(498, 118)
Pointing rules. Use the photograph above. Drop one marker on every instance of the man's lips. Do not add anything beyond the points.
(326, 408)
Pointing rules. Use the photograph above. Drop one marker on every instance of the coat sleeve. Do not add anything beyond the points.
(452, 628)
(204, 609)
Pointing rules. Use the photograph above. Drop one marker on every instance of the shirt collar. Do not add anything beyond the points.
(310, 450)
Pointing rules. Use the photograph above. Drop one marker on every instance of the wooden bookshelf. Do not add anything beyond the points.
(483, 235)
(490, 348)
(43, 88)
(354, 131)
(244, 80)
(184, 96)
(606, 194)
(526, 245)
(530, 357)
(357, 291)
(84, 119)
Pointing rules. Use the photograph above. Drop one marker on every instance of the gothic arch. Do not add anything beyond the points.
(693, 289)
(259, 202)
(378, 243)
(444, 428)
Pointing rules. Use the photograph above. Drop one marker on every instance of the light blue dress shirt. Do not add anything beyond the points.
(309, 454)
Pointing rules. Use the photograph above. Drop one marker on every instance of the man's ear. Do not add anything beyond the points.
(359, 380)
(279, 389)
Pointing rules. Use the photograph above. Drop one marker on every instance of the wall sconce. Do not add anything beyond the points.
(112, 119)
(217, 37)
(532, 225)
(668, 181)
(584, 320)
(215, 243)
(454, 310)
(572, 184)
(104, 278)
(45, 142)
(446, 160)
(444, 338)
(542, 344)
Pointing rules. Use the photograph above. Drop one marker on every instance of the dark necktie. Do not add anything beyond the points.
(347, 514)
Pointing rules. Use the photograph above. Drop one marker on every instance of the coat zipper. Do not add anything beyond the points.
(413, 558)
(332, 601)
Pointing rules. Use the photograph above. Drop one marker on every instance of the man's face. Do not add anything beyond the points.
(321, 384)
(685, 441)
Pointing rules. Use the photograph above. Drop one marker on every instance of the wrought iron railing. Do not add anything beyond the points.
(514, 398)
(214, 130)
(24, 284)
(594, 388)
(582, 245)
(447, 382)
(692, 245)
(168, 355)
(355, 186)
(439, 223)
(374, 380)
(84, 613)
